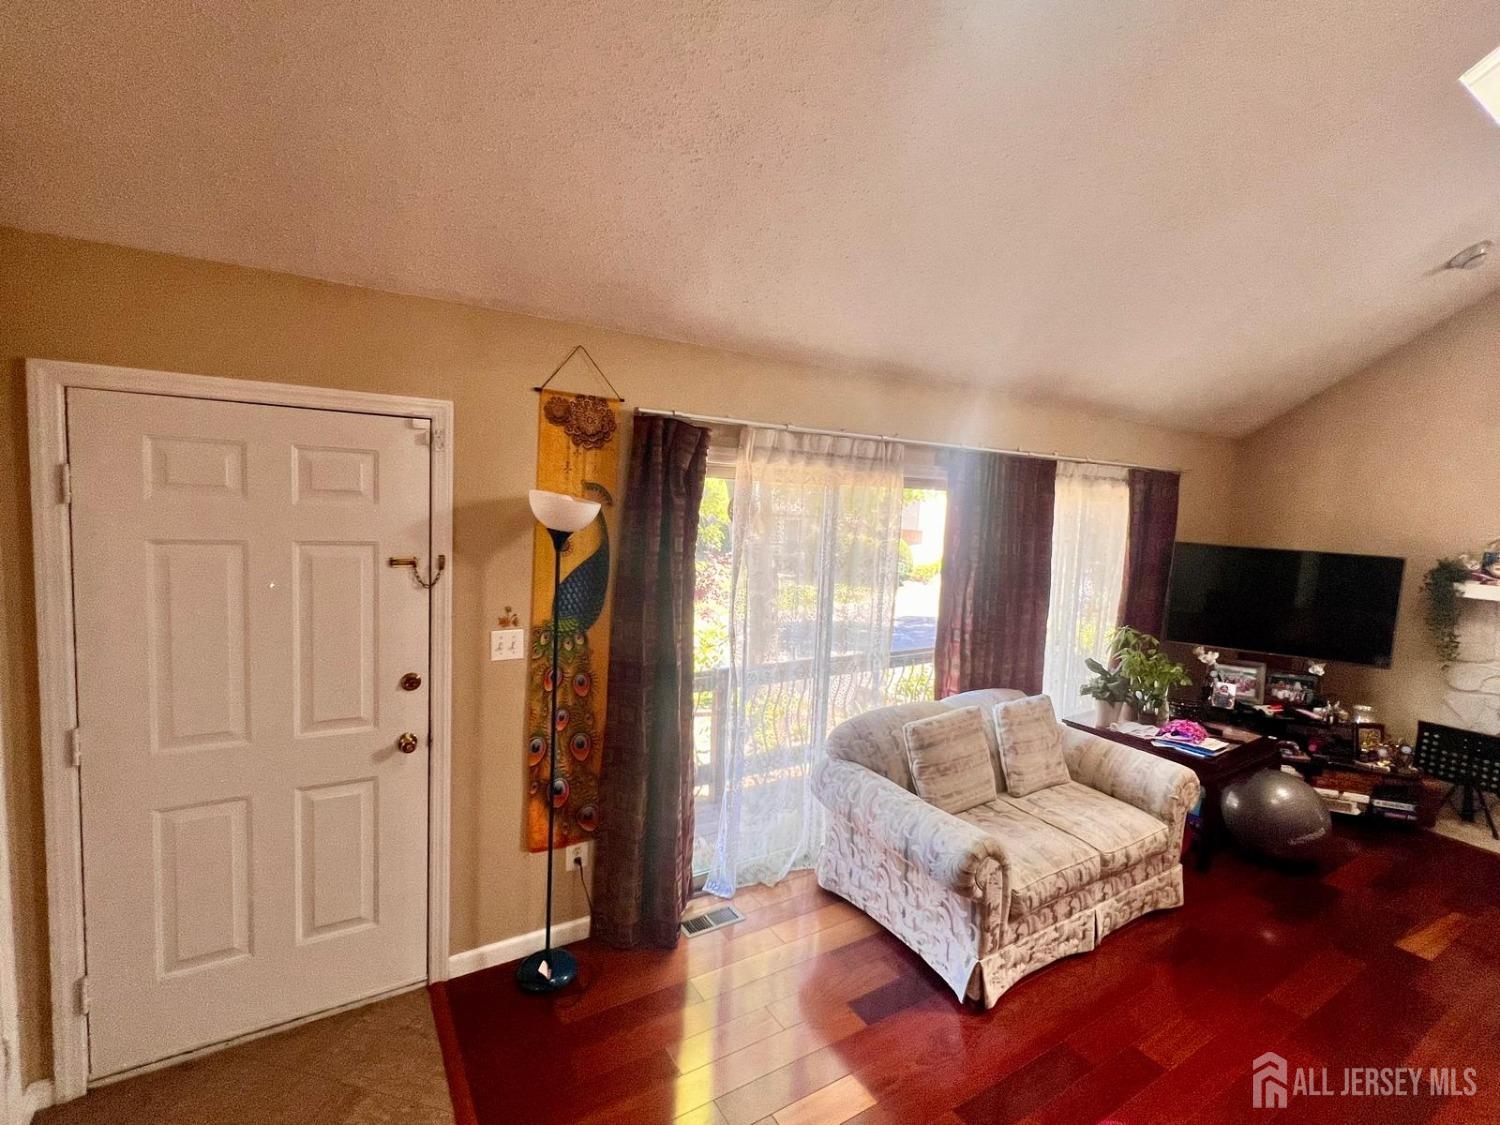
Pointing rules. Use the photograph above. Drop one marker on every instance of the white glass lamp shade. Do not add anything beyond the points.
(557, 512)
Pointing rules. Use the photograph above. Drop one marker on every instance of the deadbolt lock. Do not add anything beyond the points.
(407, 743)
(411, 681)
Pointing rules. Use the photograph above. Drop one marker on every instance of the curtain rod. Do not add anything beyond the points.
(715, 420)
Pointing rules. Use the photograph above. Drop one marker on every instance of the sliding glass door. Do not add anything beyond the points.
(817, 587)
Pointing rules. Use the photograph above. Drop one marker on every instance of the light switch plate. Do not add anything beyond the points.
(507, 644)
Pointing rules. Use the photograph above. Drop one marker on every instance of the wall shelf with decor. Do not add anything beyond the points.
(1480, 591)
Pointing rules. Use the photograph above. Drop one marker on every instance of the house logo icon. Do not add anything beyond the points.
(1268, 1082)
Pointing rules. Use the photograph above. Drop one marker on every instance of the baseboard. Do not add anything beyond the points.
(514, 948)
(36, 1097)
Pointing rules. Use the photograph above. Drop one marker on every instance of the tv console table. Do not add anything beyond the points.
(1330, 760)
(1250, 752)
(1327, 739)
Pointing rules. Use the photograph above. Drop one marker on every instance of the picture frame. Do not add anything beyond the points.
(1367, 736)
(1221, 695)
(1294, 689)
(1247, 676)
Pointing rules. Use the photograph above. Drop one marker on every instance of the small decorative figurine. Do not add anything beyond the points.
(1490, 562)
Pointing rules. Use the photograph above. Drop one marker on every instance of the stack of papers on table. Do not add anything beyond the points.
(1208, 748)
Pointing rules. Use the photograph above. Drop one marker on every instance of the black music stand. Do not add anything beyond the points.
(1468, 760)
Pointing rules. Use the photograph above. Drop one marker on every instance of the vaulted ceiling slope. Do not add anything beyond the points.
(1194, 213)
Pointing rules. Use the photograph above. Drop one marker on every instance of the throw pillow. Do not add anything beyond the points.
(950, 760)
(1031, 753)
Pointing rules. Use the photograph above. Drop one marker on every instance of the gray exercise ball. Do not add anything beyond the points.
(1277, 814)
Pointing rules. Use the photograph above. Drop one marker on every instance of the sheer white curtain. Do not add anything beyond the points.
(817, 520)
(1090, 525)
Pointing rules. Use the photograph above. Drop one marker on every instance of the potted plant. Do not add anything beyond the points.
(1108, 690)
(1440, 589)
(1149, 673)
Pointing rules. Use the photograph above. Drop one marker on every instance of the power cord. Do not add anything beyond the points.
(582, 882)
(585, 967)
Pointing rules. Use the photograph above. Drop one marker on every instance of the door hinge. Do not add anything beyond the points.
(84, 997)
(65, 483)
(75, 748)
(439, 440)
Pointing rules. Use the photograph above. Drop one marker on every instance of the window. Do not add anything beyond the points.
(1090, 525)
(792, 691)
(802, 659)
(919, 576)
(711, 656)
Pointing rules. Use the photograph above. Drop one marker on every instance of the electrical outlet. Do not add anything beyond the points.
(507, 644)
(576, 854)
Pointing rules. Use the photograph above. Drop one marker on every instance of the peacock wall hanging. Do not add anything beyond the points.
(578, 453)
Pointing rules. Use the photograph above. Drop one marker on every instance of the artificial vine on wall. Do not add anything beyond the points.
(1440, 590)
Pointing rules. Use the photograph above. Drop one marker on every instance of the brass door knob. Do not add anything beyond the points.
(411, 681)
(407, 743)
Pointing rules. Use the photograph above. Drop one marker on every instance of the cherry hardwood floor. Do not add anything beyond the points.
(808, 1013)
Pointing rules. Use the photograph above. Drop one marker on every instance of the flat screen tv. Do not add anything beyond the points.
(1287, 603)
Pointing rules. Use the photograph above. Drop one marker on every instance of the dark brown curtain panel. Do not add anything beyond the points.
(644, 867)
(1148, 551)
(997, 573)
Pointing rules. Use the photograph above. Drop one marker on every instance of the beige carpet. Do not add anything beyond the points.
(375, 1065)
(1478, 833)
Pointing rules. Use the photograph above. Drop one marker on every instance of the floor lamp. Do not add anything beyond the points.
(548, 969)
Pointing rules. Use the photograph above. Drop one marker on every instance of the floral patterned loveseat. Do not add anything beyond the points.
(1007, 887)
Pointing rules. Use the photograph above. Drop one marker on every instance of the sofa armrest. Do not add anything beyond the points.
(1164, 789)
(953, 852)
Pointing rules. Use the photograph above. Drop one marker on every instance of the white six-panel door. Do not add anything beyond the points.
(254, 841)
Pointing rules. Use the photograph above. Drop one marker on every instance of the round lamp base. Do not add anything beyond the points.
(547, 970)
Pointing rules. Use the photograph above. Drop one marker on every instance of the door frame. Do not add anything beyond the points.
(12, 1096)
(47, 382)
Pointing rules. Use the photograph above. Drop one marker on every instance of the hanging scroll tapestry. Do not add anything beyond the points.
(578, 453)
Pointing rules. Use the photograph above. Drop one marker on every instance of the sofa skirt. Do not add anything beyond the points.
(947, 930)
(1079, 933)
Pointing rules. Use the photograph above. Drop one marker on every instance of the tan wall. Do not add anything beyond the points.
(1401, 459)
(81, 301)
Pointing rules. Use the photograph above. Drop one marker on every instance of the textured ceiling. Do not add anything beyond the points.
(1198, 213)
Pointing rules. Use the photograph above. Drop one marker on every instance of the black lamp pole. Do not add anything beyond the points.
(548, 969)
